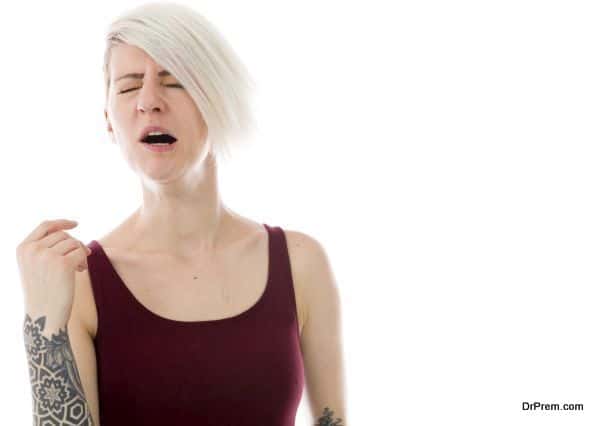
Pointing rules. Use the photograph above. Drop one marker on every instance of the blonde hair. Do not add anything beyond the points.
(192, 50)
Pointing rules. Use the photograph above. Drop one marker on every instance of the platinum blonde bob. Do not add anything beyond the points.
(186, 44)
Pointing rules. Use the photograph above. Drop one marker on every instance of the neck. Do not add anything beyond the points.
(182, 217)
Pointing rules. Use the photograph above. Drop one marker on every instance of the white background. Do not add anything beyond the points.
(444, 153)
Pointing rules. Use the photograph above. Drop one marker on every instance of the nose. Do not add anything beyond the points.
(149, 99)
(148, 108)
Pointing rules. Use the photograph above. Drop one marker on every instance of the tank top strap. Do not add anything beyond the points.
(99, 270)
(116, 305)
(279, 261)
(282, 300)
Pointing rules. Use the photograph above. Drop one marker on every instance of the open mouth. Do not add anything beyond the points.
(159, 139)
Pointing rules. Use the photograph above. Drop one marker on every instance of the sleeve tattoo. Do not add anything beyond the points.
(56, 389)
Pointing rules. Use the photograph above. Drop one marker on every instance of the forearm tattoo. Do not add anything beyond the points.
(57, 393)
(327, 420)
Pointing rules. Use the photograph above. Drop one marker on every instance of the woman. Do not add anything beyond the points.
(186, 312)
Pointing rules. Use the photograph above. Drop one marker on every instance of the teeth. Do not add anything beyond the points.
(156, 133)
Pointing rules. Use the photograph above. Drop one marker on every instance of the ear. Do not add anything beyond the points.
(108, 126)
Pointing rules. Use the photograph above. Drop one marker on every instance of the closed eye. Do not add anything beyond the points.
(133, 88)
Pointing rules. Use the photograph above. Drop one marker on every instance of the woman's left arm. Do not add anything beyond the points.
(321, 337)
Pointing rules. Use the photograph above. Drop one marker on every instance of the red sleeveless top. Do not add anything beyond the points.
(237, 371)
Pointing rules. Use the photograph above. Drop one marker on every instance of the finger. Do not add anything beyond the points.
(59, 236)
(54, 238)
(68, 245)
(87, 250)
(47, 227)
(78, 256)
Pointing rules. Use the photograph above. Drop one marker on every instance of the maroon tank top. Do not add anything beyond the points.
(237, 371)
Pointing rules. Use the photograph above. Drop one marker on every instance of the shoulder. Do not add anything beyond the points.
(307, 254)
(311, 269)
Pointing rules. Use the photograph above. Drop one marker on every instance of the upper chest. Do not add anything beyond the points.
(209, 288)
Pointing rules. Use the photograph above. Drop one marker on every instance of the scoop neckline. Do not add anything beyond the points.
(158, 317)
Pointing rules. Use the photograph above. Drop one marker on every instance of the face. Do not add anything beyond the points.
(134, 103)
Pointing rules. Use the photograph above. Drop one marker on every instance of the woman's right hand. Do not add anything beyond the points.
(48, 258)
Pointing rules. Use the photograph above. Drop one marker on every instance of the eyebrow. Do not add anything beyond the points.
(140, 75)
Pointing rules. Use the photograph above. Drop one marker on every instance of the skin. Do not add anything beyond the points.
(182, 212)
(54, 376)
(183, 216)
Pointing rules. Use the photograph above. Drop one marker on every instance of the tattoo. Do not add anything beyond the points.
(58, 396)
(327, 420)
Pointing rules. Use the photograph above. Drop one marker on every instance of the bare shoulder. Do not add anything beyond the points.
(308, 257)
(311, 270)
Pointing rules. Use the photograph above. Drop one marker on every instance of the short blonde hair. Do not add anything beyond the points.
(192, 50)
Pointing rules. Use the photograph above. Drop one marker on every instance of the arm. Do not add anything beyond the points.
(321, 338)
(57, 391)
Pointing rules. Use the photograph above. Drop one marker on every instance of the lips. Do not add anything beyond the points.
(149, 129)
